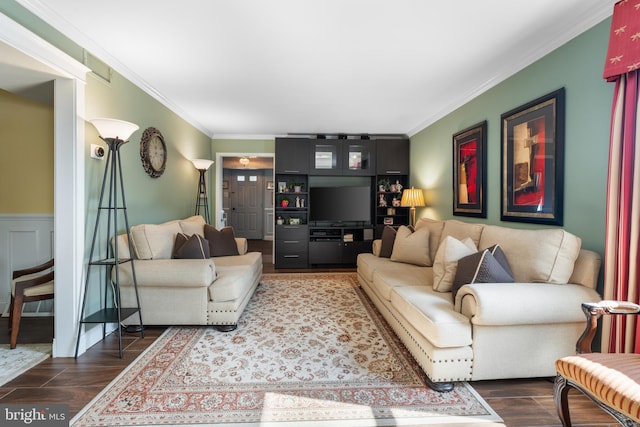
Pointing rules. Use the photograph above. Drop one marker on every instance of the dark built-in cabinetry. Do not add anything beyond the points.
(338, 245)
(382, 162)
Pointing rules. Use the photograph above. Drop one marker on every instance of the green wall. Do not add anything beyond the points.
(149, 200)
(577, 66)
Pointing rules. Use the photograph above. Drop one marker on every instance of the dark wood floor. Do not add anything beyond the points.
(523, 402)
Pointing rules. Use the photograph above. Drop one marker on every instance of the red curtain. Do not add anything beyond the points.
(621, 334)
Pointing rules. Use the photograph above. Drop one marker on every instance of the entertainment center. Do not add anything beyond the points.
(334, 194)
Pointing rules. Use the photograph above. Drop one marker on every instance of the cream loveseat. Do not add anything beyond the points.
(210, 291)
(489, 330)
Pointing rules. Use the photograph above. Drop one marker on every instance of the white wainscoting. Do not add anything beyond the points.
(26, 240)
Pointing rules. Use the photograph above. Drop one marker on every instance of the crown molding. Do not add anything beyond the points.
(23, 40)
(588, 19)
(42, 10)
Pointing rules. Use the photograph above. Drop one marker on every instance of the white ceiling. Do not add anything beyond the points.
(258, 68)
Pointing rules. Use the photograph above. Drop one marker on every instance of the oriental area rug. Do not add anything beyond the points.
(21, 359)
(310, 350)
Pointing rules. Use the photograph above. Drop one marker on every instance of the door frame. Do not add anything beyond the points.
(69, 79)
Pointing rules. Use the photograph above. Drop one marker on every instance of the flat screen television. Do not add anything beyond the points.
(340, 204)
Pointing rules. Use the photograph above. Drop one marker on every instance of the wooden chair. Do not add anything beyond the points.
(30, 284)
(612, 380)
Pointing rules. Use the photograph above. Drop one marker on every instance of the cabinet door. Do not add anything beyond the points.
(292, 155)
(326, 157)
(392, 156)
(359, 157)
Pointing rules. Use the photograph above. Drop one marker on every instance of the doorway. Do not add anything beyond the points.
(37, 61)
(246, 187)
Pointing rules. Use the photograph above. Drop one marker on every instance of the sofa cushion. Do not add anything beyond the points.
(252, 259)
(231, 283)
(221, 242)
(388, 238)
(487, 266)
(192, 247)
(411, 247)
(235, 275)
(461, 230)
(154, 241)
(391, 275)
(546, 255)
(435, 228)
(446, 262)
(432, 314)
(368, 263)
(193, 225)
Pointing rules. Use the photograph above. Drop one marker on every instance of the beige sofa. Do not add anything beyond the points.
(490, 330)
(212, 291)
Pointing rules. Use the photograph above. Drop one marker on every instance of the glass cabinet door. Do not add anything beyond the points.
(325, 158)
(359, 158)
(343, 157)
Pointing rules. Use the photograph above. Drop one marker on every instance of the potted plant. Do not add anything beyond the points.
(284, 202)
(383, 184)
(296, 186)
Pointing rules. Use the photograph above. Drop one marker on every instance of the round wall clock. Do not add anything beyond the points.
(153, 152)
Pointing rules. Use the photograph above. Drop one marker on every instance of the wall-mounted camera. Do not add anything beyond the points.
(97, 151)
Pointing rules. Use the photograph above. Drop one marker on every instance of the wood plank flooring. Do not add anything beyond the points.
(521, 402)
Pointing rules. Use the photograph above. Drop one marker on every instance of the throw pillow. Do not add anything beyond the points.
(446, 262)
(221, 242)
(191, 247)
(411, 247)
(488, 266)
(388, 238)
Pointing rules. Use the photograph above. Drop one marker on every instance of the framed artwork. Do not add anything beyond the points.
(270, 185)
(533, 161)
(470, 171)
(225, 184)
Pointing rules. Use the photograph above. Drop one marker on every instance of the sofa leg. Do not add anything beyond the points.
(440, 387)
(225, 328)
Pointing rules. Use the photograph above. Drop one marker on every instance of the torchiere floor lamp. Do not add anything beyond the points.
(202, 201)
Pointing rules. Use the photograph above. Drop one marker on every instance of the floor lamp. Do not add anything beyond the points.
(202, 201)
(112, 204)
(411, 198)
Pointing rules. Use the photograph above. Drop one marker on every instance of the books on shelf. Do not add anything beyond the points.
(348, 237)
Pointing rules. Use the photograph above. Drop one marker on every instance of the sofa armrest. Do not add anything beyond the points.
(586, 269)
(523, 303)
(376, 246)
(243, 246)
(184, 273)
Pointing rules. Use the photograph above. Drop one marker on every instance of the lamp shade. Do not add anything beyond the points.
(202, 164)
(412, 197)
(114, 129)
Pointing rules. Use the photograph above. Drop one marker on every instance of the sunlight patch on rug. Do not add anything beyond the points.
(19, 360)
(309, 348)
